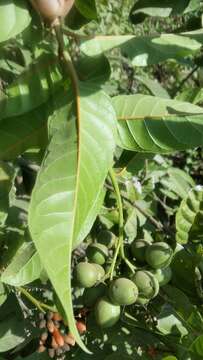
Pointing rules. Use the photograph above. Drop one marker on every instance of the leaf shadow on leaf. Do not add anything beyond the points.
(12, 329)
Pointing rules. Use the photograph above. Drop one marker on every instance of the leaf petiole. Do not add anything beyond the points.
(40, 305)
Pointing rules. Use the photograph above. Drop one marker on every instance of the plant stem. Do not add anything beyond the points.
(40, 305)
(77, 37)
(149, 217)
(120, 245)
(67, 61)
(156, 223)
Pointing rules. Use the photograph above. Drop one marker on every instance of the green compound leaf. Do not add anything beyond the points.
(23, 132)
(11, 334)
(87, 8)
(197, 346)
(24, 268)
(23, 115)
(189, 217)
(69, 188)
(14, 18)
(145, 8)
(33, 87)
(146, 50)
(157, 125)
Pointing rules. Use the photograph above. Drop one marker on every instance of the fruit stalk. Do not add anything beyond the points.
(120, 245)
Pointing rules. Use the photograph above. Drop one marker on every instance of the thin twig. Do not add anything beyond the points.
(156, 223)
(177, 90)
(77, 37)
(40, 305)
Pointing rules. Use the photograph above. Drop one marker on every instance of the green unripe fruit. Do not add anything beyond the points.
(159, 255)
(85, 275)
(138, 249)
(147, 284)
(106, 313)
(97, 253)
(100, 271)
(163, 275)
(106, 238)
(123, 291)
(90, 296)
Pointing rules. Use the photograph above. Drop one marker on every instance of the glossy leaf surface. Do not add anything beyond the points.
(62, 209)
(147, 123)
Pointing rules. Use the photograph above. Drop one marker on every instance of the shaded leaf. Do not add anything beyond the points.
(193, 95)
(189, 217)
(178, 300)
(23, 132)
(43, 77)
(168, 322)
(145, 50)
(95, 69)
(177, 181)
(14, 18)
(81, 13)
(183, 267)
(7, 174)
(87, 8)
(158, 8)
(11, 334)
(12, 331)
(197, 346)
(24, 268)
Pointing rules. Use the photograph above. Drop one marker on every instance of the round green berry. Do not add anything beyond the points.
(97, 253)
(123, 291)
(106, 313)
(85, 275)
(138, 249)
(147, 284)
(159, 255)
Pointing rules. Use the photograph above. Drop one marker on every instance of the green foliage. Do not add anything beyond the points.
(14, 18)
(24, 268)
(189, 217)
(121, 91)
(146, 123)
(145, 50)
(145, 8)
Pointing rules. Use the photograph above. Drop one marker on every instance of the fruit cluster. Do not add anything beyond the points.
(152, 270)
(55, 338)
